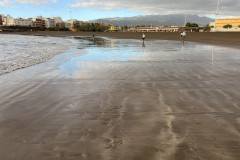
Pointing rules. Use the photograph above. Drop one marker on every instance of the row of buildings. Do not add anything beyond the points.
(39, 21)
(215, 27)
(163, 29)
(42, 22)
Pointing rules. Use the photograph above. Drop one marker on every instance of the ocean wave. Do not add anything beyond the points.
(20, 51)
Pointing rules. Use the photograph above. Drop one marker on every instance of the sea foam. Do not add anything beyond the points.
(19, 51)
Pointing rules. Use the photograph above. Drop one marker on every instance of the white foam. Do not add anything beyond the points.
(19, 51)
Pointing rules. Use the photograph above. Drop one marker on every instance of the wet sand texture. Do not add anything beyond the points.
(174, 103)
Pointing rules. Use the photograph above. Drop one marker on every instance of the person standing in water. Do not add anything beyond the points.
(93, 37)
(182, 36)
(143, 37)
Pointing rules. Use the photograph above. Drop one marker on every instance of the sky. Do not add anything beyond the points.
(93, 9)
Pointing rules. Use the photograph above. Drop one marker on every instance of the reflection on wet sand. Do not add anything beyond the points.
(213, 49)
(120, 101)
(95, 56)
(143, 45)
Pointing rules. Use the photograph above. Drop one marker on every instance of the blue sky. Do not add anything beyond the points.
(94, 9)
(63, 9)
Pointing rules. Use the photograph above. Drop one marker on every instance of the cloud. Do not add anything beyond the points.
(203, 7)
(5, 3)
(35, 1)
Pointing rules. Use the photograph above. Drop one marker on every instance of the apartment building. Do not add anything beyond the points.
(23, 22)
(57, 19)
(8, 21)
(49, 22)
(38, 22)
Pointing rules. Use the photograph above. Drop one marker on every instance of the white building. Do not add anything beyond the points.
(212, 24)
(23, 22)
(39, 17)
(50, 23)
(68, 25)
(8, 20)
(57, 20)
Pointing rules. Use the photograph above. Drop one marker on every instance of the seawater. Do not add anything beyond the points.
(20, 51)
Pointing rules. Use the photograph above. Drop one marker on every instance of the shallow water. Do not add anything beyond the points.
(106, 53)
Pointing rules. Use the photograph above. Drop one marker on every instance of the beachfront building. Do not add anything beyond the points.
(57, 19)
(69, 24)
(148, 29)
(8, 21)
(114, 28)
(23, 22)
(38, 22)
(155, 29)
(171, 29)
(59, 22)
(49, 23)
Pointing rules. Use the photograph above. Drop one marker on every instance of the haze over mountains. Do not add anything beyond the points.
(156, 20)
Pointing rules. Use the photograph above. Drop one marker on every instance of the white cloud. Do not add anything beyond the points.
(5, 3)
(203, 7)
(35, 1)
(98, 4)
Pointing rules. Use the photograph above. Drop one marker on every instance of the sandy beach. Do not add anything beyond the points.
(116, 99)
(230, 39)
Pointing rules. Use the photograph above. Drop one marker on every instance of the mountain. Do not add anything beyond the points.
(156, 20)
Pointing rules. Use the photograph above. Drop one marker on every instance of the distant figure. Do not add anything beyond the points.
(182, 36)
(93, 37)
(143, 37)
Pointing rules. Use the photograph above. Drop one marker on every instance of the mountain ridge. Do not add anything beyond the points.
(156, 20)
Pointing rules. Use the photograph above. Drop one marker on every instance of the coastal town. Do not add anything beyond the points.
(8, 23)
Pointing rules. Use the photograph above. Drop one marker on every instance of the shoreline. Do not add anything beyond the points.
(227, 39)
(32, 54)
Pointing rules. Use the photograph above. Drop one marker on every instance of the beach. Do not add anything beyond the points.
(117, 98)
(230, 39)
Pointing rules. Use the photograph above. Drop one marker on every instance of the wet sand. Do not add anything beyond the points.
(169, 102)
(230, 39)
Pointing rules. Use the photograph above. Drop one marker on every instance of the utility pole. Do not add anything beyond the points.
(216, 14)
(185, 20)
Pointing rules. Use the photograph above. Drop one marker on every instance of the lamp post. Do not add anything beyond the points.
(185, 19)
(216, 14)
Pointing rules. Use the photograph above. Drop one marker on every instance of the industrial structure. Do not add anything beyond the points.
(235, 22)
(220, 23)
